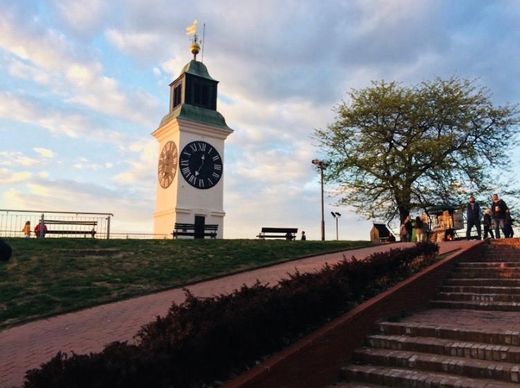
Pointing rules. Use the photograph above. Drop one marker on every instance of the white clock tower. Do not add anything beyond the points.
(190, 187)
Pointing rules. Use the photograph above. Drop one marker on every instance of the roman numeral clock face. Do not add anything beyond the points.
(200, 165)
(167, 164)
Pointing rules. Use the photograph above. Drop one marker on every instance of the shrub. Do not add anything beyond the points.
(5, 251)
(207, 339)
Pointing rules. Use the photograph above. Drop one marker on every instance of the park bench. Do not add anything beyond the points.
(91, 232)
(286, 233)
(182, 229)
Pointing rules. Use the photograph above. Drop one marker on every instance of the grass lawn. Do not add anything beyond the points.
(52, 276)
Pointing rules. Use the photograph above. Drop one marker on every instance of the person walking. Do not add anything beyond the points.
(473, 217)
(487, 224)
(27, 229)
(498, 212)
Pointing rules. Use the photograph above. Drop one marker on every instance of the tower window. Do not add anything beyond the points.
(200, 92)
(201, 95)
(177, 95)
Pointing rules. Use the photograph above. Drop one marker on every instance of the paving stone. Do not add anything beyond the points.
(364, 373)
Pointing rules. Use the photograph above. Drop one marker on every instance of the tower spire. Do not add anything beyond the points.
(195, 43)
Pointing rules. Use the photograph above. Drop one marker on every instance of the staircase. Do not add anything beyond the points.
(470, 337)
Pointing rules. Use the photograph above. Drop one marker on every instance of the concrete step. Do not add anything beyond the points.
(448, 347)
(496, 252)
(482, 282)
(480, 369)
(505, 255)
(353, 384)
(489, 264)
(486, 273)
(489, 306)
(494, 259)
(398, 377)
(498, 337)
(481, 290)
(478, 297)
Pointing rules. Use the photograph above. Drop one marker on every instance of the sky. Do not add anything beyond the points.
(83, 84)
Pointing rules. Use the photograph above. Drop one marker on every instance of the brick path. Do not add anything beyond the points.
(27, 346)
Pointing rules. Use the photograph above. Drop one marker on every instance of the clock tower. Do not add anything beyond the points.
(191, 150)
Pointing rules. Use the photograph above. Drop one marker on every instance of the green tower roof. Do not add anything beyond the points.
(196, 68)
(194, 113)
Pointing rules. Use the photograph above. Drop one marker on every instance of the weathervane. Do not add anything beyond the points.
(195, 42)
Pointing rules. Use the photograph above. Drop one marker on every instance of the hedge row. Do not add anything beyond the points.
(204, 340)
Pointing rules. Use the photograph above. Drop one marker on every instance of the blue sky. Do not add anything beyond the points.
(84, 83)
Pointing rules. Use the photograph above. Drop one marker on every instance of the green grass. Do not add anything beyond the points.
(53, 276)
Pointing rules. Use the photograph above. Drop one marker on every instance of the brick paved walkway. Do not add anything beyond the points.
(27, 346)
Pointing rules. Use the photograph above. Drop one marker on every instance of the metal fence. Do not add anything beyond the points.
(57, 223)
(66, 224)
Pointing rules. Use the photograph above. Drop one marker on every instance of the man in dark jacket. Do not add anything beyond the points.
(498, 212)
(473, 215)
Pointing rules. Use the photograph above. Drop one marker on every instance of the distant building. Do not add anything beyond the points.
(380, 233)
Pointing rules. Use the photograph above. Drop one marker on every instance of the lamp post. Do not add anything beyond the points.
(322, 166)
(336, 215)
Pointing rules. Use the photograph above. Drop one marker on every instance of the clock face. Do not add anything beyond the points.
(167, 164)
(201, 164)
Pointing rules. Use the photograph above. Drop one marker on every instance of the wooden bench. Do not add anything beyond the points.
(286, 233)
(182, 229)
(91, 232)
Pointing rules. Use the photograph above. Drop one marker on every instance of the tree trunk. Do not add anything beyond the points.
(403, 213)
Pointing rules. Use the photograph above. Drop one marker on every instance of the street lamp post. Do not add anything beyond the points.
(336, 215)
(322, 166)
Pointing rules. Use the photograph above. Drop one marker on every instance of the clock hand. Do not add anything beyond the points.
(203, 157)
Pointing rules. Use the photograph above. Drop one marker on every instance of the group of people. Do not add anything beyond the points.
(496, 221)
(39, 231)
(498, 215)
(408, 226)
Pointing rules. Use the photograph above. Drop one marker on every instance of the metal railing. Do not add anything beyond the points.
(58, 223)
(66, 224)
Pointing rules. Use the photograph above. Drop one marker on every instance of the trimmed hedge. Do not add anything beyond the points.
(204, 340)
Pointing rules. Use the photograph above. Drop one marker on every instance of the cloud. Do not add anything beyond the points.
(80, 18)
(44, 152)
(81, 78)
(19, 69)
(14, 159)
(143, 167)
(10, 177)
(72, 125)
(135, 43)
(68, 195)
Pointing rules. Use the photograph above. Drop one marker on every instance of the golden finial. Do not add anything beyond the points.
(192, 31)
